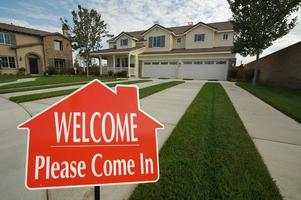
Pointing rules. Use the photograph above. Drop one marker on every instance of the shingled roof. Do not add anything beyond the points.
(220, 26)
(29, 31)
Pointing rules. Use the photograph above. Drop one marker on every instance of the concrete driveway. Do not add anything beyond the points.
(168, 106)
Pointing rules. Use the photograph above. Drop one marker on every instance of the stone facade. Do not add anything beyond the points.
(282, 67)
(51, 54)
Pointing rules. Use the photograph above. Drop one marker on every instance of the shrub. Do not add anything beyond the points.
(233, 73)
(122, 74)
(21, 71)
(94, 70)
(110, 73)
(51, 71)
(249, 73)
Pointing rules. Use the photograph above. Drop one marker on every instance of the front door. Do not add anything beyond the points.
(33, 65)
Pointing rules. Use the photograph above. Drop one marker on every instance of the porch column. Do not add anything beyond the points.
(129, 67)
(100, 67)
(114, 57)
(136, 66)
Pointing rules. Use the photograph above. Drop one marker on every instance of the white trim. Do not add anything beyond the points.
(157, 26)
(171, 54)
(197, 25)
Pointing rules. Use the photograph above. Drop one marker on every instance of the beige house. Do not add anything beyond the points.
(32, 49)
(200, 51)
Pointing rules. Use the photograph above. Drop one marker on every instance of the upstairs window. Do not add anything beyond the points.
(58, 45)
(7, 38)
(225, 36)
(124, 42)
(199, 37)
(178, 40)
(156, 41)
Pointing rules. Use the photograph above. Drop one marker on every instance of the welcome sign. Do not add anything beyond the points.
(94, 136)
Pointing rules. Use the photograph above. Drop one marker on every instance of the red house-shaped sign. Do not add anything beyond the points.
(94, 136)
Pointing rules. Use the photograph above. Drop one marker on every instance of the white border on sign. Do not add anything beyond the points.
(91, 185)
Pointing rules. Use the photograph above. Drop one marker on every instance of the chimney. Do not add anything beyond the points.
(65, 29)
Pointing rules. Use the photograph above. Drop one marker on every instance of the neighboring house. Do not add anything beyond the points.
(32, 49)
(282, 67)
(200, 51)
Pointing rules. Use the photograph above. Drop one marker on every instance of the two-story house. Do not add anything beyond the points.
(34, 50)
(200, 51)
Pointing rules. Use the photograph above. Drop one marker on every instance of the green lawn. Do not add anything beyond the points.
(144, 92)
(284, 99)
(10, 78)
(210, 155)
(44, 82)
(31, 97)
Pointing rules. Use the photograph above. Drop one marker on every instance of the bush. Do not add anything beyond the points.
(122, 74)
(51, 71)
(21, 71)
(249, 73)
(94, 70)
(110, 73)
(233, 73)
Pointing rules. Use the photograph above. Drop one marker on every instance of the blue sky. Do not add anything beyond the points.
(129, 15)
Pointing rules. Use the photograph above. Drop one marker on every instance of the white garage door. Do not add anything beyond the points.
(208, 70)
(162, 69)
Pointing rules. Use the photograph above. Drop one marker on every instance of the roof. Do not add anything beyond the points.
(178, 30)
(182, 50)
(113, 50)
(29, 31)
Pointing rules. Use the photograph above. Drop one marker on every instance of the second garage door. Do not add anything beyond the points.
(207, 70)
(162, 69)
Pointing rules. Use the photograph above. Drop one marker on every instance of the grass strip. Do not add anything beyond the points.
(286, 100)
(144, 92)
(50, 85)
(10, 78)
(210, 155)
(31, 97)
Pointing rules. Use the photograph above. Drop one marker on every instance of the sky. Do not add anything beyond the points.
(130, 15)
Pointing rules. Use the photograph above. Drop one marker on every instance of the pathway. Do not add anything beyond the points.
(276, 136)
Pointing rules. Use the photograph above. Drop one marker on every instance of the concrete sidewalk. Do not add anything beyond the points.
(21, 80)
(13, 94)
(167, 106)
(276, 136)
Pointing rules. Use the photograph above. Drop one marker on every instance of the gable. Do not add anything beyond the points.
(156, 27)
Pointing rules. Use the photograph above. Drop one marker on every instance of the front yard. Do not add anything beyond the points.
(44, 82)
(284, 99)
(210, 155)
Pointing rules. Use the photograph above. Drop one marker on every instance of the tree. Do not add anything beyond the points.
(257, 23)
(86, 32)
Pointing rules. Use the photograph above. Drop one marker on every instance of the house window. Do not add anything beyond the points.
(225, 36)
(118, 62)
(124, 62)
(58, 45)
(7, 38)
(199, 37)
(187, 62)
(198, 62)
(221, 62)
(155, 63)
(179, 40)
(209, 62)
(164, 63)
(7, 61)
(156, 41)
(124, 42)
(59, 63)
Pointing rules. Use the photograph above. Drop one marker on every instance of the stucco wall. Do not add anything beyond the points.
(159, 32)
(131, 43)
(218, 39)
(282, 67)
(209, 38)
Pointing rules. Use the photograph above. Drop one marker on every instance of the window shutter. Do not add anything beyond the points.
(195, 37)
(150, 42)
(163, 41)
(120, 42)
(203, 37)
(13, 39)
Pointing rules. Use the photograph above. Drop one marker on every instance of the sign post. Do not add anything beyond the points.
(95, 136)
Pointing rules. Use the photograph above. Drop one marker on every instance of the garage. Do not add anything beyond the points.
(160, 69)
(207, 70)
